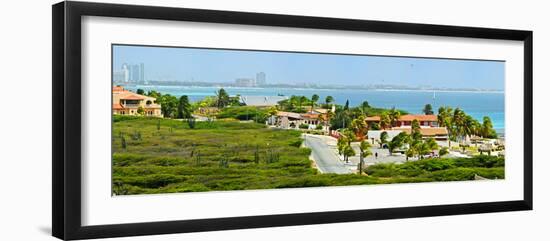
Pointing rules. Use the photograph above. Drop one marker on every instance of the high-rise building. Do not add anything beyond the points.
(141, 73)
(126, 72)
(245, 82)
(130, 73)
(134, 73)
(260, 79)
(118, 76)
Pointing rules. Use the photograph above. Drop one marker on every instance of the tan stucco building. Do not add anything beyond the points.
(126, 102)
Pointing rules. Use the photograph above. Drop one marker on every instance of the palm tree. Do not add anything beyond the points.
(423, 149)
(314, 99)
(394, 116)
(459, 120)
(301, 100)
(348, 151)
(383, 138)
(348, 136)
(398, 141)
(293, 102)
(487, 128)
(444, 120)
(222, 98)
(411, 152)
(341, 144)
(470, 126)
(329, 116)
(344, 144)
(415, 130)
(442, 115)
(360, 127)
(272, 111)
(385, 121)
(364, 147)
(432, 144)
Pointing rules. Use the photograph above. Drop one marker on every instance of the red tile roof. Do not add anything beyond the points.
(117, 107)
(418, 117)
(133, 97)
(407, 118)
(118, 89)
(310, 116)
(431, 131)
(372, 118)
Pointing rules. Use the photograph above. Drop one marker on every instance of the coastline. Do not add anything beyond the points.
(354, 88)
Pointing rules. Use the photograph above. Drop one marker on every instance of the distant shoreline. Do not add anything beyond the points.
(322, 88)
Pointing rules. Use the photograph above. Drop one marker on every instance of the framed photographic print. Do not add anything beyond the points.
(170, 120)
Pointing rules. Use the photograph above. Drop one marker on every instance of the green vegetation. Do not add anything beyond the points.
(232, 155)
(184, 108)
(460, 125)
(220, 155)
(238, 152)
(344, 144)
(244, 113)
(428, 110)
(442, 169)
(364, 148)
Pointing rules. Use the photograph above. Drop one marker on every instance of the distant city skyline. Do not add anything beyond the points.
(226, 66)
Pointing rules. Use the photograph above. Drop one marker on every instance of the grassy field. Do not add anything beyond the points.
(162, 156)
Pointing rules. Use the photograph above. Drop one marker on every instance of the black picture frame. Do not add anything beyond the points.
(66, 168)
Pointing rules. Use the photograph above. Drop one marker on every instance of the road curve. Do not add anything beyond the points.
(325, 159)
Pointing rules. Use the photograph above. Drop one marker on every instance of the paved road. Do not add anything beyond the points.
(325, 159)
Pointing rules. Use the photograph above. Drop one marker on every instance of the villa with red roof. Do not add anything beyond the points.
(126, 102)
(429, 126)
(406, 120)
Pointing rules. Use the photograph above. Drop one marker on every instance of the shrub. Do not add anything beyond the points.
(150, 181)
(244, 113)
(480, 161)
(383, 170)
(303, 126)
(119, 118)
(296, 143)
(433, 164)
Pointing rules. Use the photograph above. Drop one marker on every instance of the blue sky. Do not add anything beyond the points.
(213, 65)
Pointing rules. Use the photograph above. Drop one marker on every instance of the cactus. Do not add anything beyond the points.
(193, 149)
(256, 155)
(198, 158)
(224, 163)
(271, 155)
(123, 143)
(136, 136)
